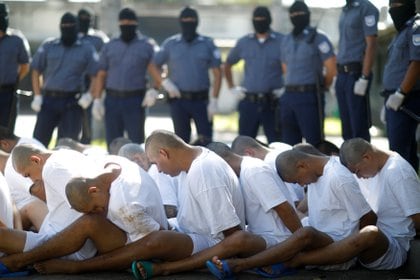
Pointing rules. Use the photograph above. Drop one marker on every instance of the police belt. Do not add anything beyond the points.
(7, 86)
(301, 88)
(61, 94)
(388, 92)
(125, 93)
(352, 67)
(259, 97)
(195, 95)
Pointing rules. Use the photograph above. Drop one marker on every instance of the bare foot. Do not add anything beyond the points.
(55, 266)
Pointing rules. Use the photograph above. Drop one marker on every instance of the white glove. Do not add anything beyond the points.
(98, 109)
(212, 107)
(171, 88)
(360, 86)
(85, 100)
(36, 103)
(382, 115)
(238, 92)
(332, 86)
(395, 100)
(278, 92)
(150, 98)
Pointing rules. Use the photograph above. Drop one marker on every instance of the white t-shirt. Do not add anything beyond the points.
(335, 202)
(394, 195)
(60, 167)
(210, 199)
(135, 205)
(263, 190)
(6, 207)
(296, 191)
(19, 185)
(166, 186)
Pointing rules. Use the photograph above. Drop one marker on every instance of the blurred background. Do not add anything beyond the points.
(224, 20)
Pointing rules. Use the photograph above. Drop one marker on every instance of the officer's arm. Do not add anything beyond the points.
(331, 70)
(411, 76)
(155, 74)
(367, 219)
(36, 82)
(99, 84)
(217, 81)
(369, 54)
(228, 74)
(284, 68)
(416, 220)
(23, 70)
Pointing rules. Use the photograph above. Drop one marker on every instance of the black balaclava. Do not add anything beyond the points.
(4, 17)
(261, 26)
(349, 2)
(68, 28)
(128, 31)
(188, 28)
(84, 17)
(400, 15)
(300, 22)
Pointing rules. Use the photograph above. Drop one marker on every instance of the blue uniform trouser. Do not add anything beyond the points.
(254, 114)
(183, 110)
(124, 114)
(354, 109)
(300, 118)
(401, 130)
(63, 113)
(8, 108)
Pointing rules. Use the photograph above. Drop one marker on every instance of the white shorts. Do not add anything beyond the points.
(202, 242)
(34, 239)
(393, 258)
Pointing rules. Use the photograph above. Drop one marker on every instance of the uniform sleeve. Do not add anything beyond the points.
(235, 54)
(215, 55)
(162, 56)
(414, 42)
(93, 60)
(23, 56)
(39, 61)
(103, 58)
(325, 47)
(370, 17)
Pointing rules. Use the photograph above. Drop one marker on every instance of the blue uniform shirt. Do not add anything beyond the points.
(405, 47)
(96, 42)
(189, 63)
(263, 71)
(63, 67)
(126, 63)
(356, 22)
(12, 53)
(305, 59)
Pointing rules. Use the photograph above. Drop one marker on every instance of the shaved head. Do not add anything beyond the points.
(162, 139)
(21, 155)
(241, 143)
(287, 162)
(307, 148)
(220, 149)
(352, 151)
(77, 192)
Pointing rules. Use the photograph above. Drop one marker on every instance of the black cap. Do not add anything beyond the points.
(85, 12)
(299, 6)
(188, 12)
(262, 11)
(4, 9)
(68, 18)
(128, 14)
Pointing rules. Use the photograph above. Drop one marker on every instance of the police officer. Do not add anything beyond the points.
(188, 57)
(305, 53)
(14, 65)
(358, 28)
(123, 66)
(58, 68)
(401, 80)
(97, 38)
(262, 75)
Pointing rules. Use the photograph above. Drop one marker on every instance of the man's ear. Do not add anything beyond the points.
(249, 152)
(35, 159)
(301, 164)
(4, 145)
(93, 189)
(164, 153)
